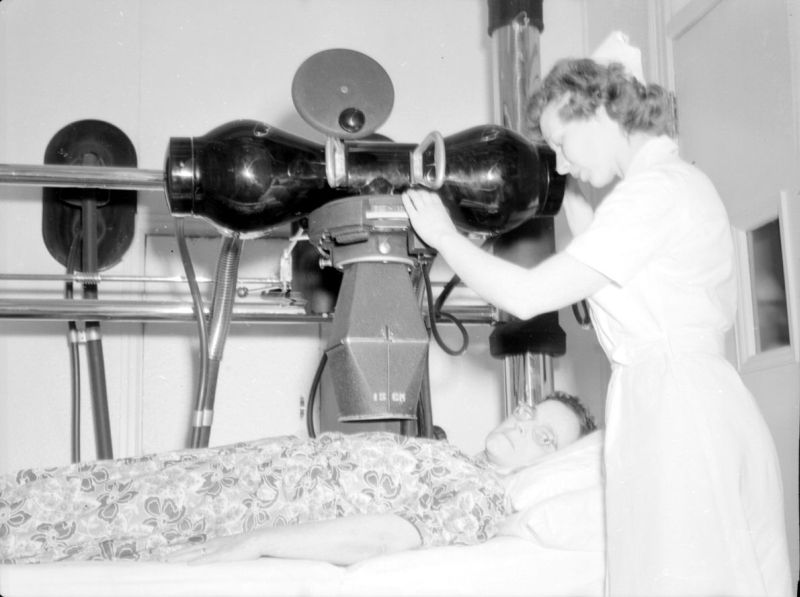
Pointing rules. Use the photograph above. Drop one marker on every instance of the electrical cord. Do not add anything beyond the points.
(445, 293)
(581, 312)
(75, 356)
(435, 312)
(312, 395)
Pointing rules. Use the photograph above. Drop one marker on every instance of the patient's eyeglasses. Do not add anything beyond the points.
(543, 435)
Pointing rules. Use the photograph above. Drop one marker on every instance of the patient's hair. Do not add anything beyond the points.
(585, 418)
(587, 85)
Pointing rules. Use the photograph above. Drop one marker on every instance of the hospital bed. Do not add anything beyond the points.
(553, 546)
(503, 566)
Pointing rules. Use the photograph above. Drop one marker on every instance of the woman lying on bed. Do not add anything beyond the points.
(339, 498)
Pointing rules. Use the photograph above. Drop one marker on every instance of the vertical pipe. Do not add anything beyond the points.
(221, 310)
(515, 26)
(97, 383)
(94, 340)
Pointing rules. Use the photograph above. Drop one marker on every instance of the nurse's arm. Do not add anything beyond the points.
(557, 282)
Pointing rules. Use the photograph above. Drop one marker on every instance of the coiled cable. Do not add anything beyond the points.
(435, 312)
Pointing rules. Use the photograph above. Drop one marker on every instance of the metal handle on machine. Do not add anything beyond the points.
(335, 165)
(417, 173)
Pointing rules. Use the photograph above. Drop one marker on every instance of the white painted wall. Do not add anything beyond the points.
(180, 68)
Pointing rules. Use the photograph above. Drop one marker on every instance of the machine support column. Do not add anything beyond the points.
(515, 26)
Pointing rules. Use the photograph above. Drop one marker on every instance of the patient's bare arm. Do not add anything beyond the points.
(339, 541)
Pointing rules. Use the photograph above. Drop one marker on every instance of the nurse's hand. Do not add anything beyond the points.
(428, 216)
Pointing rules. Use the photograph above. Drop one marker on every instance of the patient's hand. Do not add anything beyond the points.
(339, 541)
(219, 549)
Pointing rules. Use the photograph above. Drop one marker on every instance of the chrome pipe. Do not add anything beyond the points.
(182, 311)
(517, 76)
(97, 177)
(515, 49)
(80, 278)
(117, 310)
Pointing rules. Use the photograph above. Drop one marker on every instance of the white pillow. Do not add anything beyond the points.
(559, 502)
(578, 466)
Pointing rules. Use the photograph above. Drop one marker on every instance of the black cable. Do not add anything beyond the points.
(312, 395)
(437, 309)
(75, 356)
(93, 334)
(434, 314)
(445, 293)
(582, 316)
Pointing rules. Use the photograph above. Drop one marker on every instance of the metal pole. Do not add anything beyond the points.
(515, 29)
(96, 278)
(97, 177)
(182, 311)
(125, 310)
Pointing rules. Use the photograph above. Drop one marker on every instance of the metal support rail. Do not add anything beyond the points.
(119, 310)
(96, 177)
(81, 278)
(182, 311)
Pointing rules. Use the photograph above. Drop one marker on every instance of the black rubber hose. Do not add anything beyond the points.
(94, 336)
(312, 395)
(74, 357)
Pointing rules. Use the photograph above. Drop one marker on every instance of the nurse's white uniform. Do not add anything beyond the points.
(694, 495)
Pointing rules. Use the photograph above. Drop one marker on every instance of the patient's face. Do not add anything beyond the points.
(524, 438)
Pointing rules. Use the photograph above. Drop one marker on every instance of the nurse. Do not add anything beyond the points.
(694, 494)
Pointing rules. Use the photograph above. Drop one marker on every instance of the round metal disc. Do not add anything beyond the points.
(343, 93)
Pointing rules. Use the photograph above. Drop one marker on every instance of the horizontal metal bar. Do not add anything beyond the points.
(108, 310)
(80, 278)
(96, 177)
(180, 311)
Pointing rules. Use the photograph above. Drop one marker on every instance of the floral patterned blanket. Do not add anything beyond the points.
(143, 508)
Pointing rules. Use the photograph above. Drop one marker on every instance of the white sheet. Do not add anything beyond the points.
(504, 566)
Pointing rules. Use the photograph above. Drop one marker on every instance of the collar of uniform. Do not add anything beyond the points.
(654, 151)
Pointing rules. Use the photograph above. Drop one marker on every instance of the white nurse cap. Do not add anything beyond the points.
(615, 48)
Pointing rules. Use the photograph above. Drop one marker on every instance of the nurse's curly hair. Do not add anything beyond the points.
(585, 418)
(587, 85)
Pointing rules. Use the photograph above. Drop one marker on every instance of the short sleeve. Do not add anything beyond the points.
(632, 224)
